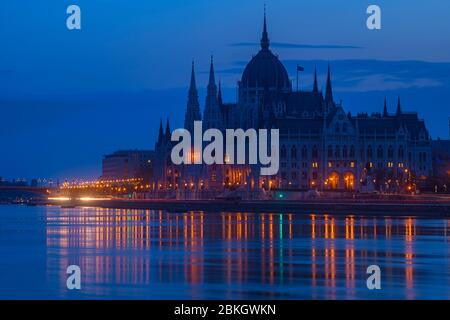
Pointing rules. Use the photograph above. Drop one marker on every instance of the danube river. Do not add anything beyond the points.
(146, 254)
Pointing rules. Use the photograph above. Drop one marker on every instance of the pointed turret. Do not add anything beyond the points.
(193, 84)
(265, 43)
(385, 111)
(316, 86)
(329, 90)
(168, 133)
(160, 134)
(399, 108)
(193, 107)
(219, 95)
(211, 114)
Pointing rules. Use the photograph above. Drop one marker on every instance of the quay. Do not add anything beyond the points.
(371, 207)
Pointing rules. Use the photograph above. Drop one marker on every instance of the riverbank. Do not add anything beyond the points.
(425, 208)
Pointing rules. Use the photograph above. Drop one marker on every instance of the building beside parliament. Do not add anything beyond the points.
(127, 164)
(322, 147)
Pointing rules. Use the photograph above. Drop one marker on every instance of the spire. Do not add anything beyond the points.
(192, 86)
(160, 134)
(399, 108)
(193, 107)
(315, 87)
(211, 114)
(329, 90)
(219, 95)
(168, 132)
(265, 37)
(212, 80)
(385, 111)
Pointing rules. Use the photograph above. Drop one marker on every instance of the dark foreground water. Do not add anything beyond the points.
(200, 255)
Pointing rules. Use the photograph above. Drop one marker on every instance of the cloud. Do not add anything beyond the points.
(383, 82)
(286, 45)
(363, 75)
(376, 75)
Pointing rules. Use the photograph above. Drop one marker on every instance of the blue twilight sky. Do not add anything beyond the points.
(68, 97)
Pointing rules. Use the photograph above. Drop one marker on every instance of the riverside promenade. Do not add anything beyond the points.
(402, 206)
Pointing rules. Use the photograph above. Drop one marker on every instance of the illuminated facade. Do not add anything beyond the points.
(322, 147)
(127, 164)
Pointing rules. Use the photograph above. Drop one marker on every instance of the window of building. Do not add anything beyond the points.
(352, 151)
(352, 164)
(304, 152)
(330, 151)
(330, 164)
(293, 152)
(369, 152)
(337, 152)
(380, 152)
(345, 152)
(400, 152)
(283, 152)
(315, 152)
(390, 164)
(390, 152)
(315, 164)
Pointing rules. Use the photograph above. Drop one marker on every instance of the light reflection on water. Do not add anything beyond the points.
(198, 255)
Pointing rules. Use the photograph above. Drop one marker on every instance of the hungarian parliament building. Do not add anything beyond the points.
(322, 147)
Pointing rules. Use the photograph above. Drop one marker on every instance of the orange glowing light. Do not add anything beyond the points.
(59, 198)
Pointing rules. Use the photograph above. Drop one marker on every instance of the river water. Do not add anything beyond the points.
(150, 254)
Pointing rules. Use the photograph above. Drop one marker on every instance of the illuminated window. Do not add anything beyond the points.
(330, 164)
(370, 165)
(315, 164)
(352, 164)
(390, 164)
(400, 164)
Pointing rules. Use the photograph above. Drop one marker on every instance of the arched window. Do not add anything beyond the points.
(400, 153)
(380, 152)
(337, 152)
(390, 152)
(330, 151)
(369, 152)
(283, 152)
(294, 153)
(352, 151)
(315, 153)
(304, 152)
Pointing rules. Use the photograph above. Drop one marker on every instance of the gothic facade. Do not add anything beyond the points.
(322, 147)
